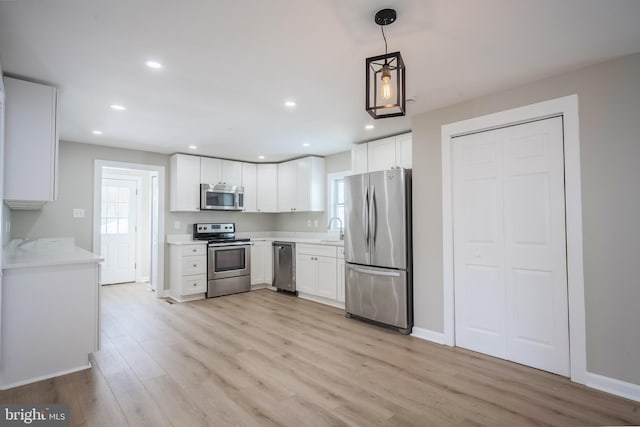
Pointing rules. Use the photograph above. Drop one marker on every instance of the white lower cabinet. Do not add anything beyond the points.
(188, 271)
(261, 263)
(318, 274)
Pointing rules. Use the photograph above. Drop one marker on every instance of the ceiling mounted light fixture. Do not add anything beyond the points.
(388, 98)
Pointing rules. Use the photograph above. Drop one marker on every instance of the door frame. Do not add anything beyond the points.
(99, 165)
(138, 208)
(567, 107)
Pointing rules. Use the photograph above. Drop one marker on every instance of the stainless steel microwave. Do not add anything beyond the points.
(221, 197)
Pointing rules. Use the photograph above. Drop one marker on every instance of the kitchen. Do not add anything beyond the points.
(607, 94)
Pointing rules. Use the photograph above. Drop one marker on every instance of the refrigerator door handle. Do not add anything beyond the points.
(374, 215)
(378, 273)
(365, 216)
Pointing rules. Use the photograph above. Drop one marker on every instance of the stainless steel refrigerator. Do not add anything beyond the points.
(377, 248)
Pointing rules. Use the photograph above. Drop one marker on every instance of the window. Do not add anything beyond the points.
(336, 199)
(115, 209)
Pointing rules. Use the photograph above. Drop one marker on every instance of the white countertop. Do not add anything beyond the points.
(46, 252)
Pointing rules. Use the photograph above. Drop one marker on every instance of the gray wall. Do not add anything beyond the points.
(609, 111)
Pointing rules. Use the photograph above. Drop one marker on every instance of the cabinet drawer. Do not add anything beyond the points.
(194, 265)
(191, 250)
(340, 252)
(194, 284)
(318, 250)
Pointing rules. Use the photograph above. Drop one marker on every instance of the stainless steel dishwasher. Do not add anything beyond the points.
(284, 266)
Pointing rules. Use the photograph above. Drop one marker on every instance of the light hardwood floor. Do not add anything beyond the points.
(264, 358)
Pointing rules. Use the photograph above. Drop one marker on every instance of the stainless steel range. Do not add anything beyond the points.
(228, 259)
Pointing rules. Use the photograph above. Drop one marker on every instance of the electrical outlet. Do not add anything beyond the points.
(177, 225)
(78, 213)
(309, 223)
(315, 223)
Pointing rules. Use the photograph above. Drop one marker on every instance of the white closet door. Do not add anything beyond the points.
(479, 244)
(535, 246)
(510, 244)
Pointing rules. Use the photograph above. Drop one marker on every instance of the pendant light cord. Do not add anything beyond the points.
(385, 39)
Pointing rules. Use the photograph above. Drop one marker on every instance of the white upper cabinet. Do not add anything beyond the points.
(249, 177)
(31, 144)
(404, 155)
(287, 186)
(382, 154)
(184, 191)
(218, 171)
(267, 187)
(359, 158)
(301, 185)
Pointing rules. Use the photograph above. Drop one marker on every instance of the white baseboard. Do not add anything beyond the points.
(429, 335)
(613, 386)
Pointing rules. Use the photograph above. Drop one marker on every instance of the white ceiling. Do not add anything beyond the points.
(230, 65)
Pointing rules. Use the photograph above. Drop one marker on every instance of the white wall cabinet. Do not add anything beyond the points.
(249, 178)
(382, 154)
(219, 171)
(359, 158)
(188, 271)
(317, 272)
(267, 187)
(261, 263)
(31, 144)
(301, 185)
(184, 185)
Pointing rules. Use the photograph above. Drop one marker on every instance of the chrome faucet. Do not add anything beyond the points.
(341, 226)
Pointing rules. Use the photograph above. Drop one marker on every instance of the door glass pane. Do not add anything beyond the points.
(229, 259)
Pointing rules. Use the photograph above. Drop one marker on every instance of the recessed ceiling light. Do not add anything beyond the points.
(117, 107)
(306, 144)
(193, 147)
(96, 132)
(369, 127)
(289, 103)
(153, 64)
(261, 157)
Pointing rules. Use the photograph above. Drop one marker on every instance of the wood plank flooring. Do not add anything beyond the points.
(266, 359)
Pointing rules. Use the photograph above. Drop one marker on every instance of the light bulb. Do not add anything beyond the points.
(386, 82)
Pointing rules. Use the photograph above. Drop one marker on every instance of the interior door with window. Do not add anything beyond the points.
(118, 233)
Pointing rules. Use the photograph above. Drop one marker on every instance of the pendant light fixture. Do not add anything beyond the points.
(385, 76)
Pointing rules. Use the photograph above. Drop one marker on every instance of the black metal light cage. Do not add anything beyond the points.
(374, 69)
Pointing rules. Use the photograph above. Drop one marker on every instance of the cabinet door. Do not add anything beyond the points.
(326, 284)
(287, 186)
(381, 154)
(267, 187)
(231, 172)
(359, 158)
(302, 180)
(403, 151)
(268, 262)
(306, 274)
(249, 184)
(31, 142)
(185, 183)
(210, 170)
(340, 276)
(257, 263)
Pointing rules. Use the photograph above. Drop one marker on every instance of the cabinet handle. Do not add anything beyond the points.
(195, 265)
(195, 284)
(194, 250)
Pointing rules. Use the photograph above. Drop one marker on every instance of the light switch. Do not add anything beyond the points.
(78, 213)
(308, 223)
(315, 223)
(176, 225)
